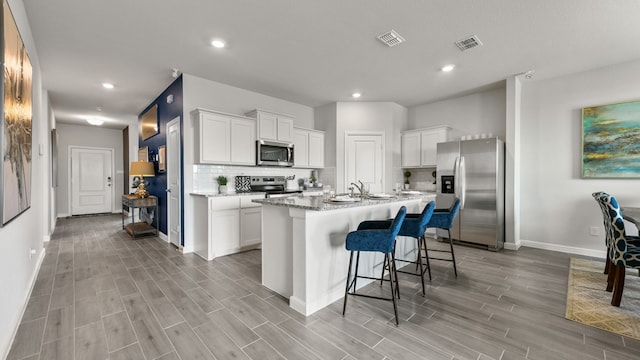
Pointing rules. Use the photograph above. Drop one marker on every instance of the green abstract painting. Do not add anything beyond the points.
(611, 140)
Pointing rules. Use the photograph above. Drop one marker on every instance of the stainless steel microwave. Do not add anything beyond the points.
(272, 153)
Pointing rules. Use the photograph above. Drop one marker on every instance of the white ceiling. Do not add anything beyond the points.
(315, 52)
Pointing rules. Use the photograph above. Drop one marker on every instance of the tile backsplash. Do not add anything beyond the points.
(204, 176)
(421, 179)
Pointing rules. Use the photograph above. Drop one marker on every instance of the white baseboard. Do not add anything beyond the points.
(513, 246)
(62, 215)
(16, 322)
(565, 249)
(163, 236)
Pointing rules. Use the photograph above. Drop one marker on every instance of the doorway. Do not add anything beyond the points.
(364, 160)
(174, 176)
(91, 174)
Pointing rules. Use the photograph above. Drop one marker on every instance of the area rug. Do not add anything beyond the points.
(588, 302)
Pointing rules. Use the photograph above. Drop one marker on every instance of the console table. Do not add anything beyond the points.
(140, 228)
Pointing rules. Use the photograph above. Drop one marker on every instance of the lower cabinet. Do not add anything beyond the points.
(224, 235)
(250, 226)
(231, 224)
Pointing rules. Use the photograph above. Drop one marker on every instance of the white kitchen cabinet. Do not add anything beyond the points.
(272, 126)
(308, 148)
(300, 148)
(213, 138)
(316, 149)
(223, 138)
(225, 225)
(419, 147)
(250, 226)
(243, 141)
(411, 149)
(250, 221)
(225, 232)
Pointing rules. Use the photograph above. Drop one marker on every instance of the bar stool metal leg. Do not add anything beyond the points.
(420, 263)
(346, 289)
(453, 255)
(426, 255)
(392, 274)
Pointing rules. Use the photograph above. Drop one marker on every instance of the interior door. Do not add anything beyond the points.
(174, 209)
(91, 180)
(364, 154)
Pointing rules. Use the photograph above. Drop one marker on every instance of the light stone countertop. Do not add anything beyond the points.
(318, 203)
(215, 194)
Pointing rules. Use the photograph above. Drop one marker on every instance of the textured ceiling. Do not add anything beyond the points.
(315, 52)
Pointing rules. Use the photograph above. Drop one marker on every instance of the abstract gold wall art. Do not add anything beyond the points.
(15, 128)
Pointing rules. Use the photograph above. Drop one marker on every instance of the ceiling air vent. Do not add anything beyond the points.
(468, 43)
(391, 38)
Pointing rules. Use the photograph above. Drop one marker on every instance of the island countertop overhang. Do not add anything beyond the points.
(318, 203)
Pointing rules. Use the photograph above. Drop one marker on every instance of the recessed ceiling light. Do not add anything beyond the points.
(95, 121)
(356, 95)
(218, 44)
(107, 86)
(448, 68)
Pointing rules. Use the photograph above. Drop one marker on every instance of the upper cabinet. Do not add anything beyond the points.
(308, 148)
(419, 147)
(272, 126)
(224, 138)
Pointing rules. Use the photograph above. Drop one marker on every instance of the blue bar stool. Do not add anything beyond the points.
(443, 219)
(374, 240)
(414, 226)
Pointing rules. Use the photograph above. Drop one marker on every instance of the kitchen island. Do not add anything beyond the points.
(303, 245)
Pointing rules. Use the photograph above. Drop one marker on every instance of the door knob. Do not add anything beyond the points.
(168, 190)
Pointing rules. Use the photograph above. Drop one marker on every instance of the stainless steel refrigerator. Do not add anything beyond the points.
(473, 170)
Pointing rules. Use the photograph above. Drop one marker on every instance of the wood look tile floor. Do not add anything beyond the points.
(101, 295)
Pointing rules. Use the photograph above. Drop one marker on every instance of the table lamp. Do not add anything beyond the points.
(142, 169)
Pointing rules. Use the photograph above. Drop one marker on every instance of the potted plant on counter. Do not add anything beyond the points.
(222, 184)
(407, 175)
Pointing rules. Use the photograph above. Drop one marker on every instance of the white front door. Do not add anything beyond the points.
(91, 180)
(173, 181)
(364, 161)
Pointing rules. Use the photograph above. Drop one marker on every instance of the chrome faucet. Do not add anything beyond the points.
(360, 188)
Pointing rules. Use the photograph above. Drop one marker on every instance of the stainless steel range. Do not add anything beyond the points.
(273, 186)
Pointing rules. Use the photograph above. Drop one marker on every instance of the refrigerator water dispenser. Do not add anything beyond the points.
(447, 184)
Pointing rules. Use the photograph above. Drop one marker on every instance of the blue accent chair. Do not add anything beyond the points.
(443, 219)
(414, 226)
(600, 197)
(622, 254)
(374, 240)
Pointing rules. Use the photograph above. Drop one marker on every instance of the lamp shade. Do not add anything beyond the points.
(142, 168)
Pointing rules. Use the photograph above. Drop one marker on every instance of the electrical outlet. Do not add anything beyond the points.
(595, 231)
(32, 252)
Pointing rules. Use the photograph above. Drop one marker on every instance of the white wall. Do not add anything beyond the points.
(386, 117)
(557, 207)
(27, 231)
(325, 119)
(207, 94)
(89, 136)
(482, 112)
(202, 93)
